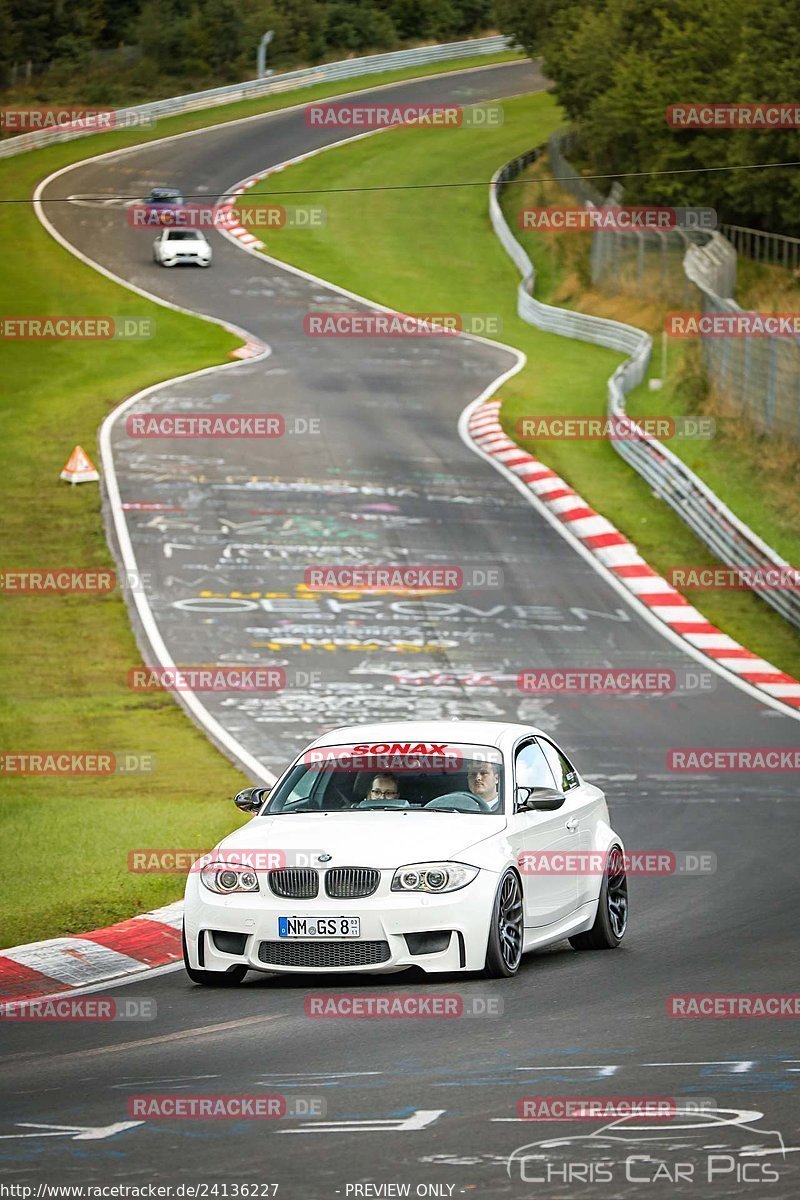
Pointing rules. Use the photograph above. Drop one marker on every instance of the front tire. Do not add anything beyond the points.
(504, 951)
(612, 909)
(227, 978)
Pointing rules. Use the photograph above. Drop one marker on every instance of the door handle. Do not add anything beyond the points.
(573, 823)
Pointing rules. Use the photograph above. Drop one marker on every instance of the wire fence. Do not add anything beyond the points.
(647, 262)
(670, 478)
(756, 377)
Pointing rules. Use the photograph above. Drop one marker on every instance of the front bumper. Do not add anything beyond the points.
(386, 917)
(171, 260)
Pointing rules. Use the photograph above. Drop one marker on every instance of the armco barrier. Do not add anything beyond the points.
(349, 68)
(671, 480)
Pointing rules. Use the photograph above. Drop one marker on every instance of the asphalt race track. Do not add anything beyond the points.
(388, 480)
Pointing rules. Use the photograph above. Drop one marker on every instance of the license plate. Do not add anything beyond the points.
(319, 927)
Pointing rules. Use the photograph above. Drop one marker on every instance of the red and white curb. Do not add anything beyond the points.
(63, 963)
(622, 558)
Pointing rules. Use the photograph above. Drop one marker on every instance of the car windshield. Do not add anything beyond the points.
(392, 776)
(183, 235)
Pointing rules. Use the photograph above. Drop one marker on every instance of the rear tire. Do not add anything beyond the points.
(504, 950)
(229, 978)
(612, 909)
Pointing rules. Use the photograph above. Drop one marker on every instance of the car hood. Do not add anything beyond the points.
(375, 839)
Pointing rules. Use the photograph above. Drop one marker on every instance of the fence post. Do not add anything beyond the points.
(771, 376)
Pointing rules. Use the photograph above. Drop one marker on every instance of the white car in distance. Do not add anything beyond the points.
(173, 246)
(410, 843)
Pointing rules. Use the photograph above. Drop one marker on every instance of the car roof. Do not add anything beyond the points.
(483, 733)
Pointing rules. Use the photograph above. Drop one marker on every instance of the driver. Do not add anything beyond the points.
(483, 780)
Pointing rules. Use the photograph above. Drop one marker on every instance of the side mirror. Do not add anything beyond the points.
(249, 800)
(538, 799)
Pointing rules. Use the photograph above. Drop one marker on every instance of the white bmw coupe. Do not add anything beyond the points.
(446, 845)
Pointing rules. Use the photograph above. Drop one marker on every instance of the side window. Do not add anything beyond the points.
(531, 769)
(562, 768)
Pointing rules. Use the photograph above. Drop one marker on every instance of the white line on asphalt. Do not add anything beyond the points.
(420, 1119)
(78, 1133)
(605, 1067)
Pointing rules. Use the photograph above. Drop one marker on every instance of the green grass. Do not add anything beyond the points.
(65, 659)
(434, 251)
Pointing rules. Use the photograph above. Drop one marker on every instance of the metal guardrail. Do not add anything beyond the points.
(669, 477)
(351, 68)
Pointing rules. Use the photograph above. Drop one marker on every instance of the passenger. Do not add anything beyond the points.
(384, 787)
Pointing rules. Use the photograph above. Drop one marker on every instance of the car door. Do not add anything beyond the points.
(548, 894)
(583, 810)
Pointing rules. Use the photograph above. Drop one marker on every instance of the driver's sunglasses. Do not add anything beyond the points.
(384, 795)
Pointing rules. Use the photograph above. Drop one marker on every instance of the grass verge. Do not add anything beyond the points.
(435, 252)
(65, 659)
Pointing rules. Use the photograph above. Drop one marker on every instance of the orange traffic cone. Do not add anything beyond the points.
(79, 468)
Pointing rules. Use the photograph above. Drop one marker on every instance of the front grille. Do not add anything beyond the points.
(294, 883)
(351, 883)
(323, 954)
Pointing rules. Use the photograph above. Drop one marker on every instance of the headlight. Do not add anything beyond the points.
(224, 878)
(433, 877)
